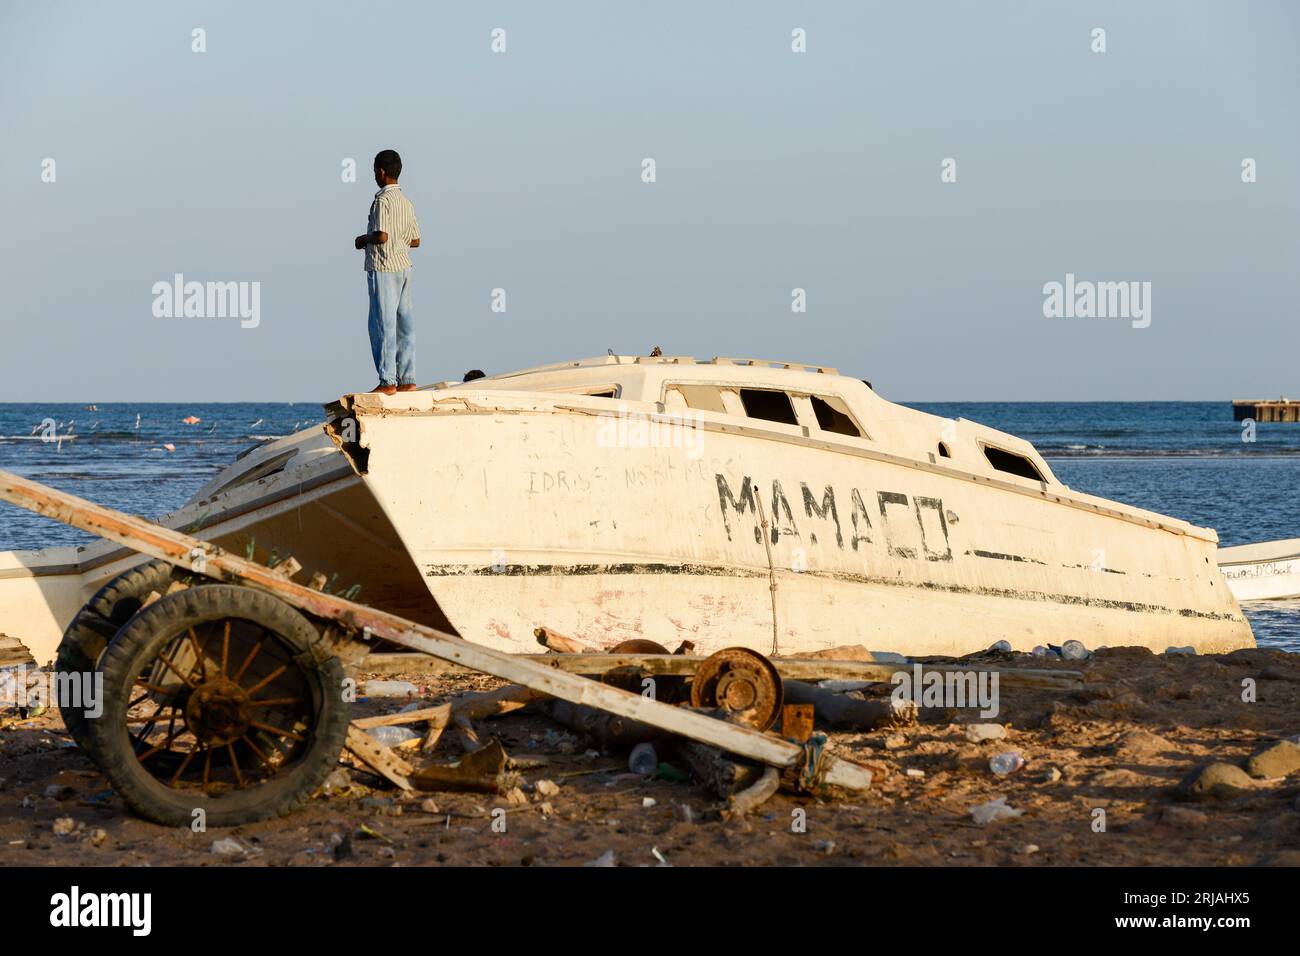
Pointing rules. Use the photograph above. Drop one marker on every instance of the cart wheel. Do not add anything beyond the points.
(217, 698)
(94, 626)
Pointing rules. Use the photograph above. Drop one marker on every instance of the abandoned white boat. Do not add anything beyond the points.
(779, 506)
(1267, 571)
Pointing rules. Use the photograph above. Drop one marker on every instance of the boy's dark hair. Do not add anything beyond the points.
(389, 162)
(473, 374)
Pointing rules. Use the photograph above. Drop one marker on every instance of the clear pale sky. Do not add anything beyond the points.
(775, 170)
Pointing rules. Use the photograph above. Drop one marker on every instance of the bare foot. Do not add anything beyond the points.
(385, 389)
(407, 388)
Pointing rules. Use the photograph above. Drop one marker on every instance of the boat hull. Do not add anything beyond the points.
(1269, 571)
(547, 517)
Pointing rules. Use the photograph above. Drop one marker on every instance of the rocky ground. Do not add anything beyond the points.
(1100, 786)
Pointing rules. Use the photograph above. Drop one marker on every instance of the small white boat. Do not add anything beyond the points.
(774, 505)
(1267, 571)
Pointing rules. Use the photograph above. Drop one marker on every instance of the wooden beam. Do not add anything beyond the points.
(439, 715)
(790, 668)
(212, 561)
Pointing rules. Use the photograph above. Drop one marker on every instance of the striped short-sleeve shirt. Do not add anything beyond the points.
(391, 212)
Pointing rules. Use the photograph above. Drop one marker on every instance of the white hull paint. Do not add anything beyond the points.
(1269, 571)
(611, 543)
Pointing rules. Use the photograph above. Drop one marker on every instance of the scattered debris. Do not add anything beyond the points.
(554, 641)
(1074, 651)
(227, 847)
(389, 688)
(978, 733)
(755, 796)
(393, 736)
(1006, 763)
(993, 811)
(838, 710)
(643, 759)
(484, 771)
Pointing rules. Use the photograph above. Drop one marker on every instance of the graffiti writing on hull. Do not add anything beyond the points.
(909, 527)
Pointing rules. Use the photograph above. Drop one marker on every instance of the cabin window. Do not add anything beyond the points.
(833, 416)
(1011, 463)
(604, 393)
(705, 398)
(768, 405)
(943, 450)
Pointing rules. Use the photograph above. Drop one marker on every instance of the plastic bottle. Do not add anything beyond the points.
(643, 760)
(392, 736)
(1007, 762)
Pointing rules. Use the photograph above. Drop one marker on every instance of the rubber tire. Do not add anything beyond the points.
(94, 626)
(144, 637)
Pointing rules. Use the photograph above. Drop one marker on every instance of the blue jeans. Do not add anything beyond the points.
(392, 326)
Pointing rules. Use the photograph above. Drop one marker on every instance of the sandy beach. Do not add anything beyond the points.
(1100, 786)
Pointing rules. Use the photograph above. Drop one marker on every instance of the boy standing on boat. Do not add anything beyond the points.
(393, 232)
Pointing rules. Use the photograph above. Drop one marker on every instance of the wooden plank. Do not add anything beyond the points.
(439, 715)
(379, 758)
(207, 559)
(790, 668)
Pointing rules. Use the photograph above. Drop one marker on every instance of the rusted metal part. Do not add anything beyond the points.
(797, 722)
(742, 683)
(486, 770)
(209, 560)
(840, 710)
(219, 712)
(638, 646)
(629, 677)
(667, 688)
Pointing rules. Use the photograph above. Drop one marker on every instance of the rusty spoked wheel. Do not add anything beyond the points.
(217, 699)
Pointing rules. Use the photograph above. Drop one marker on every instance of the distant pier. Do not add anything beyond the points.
(1270, 410)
